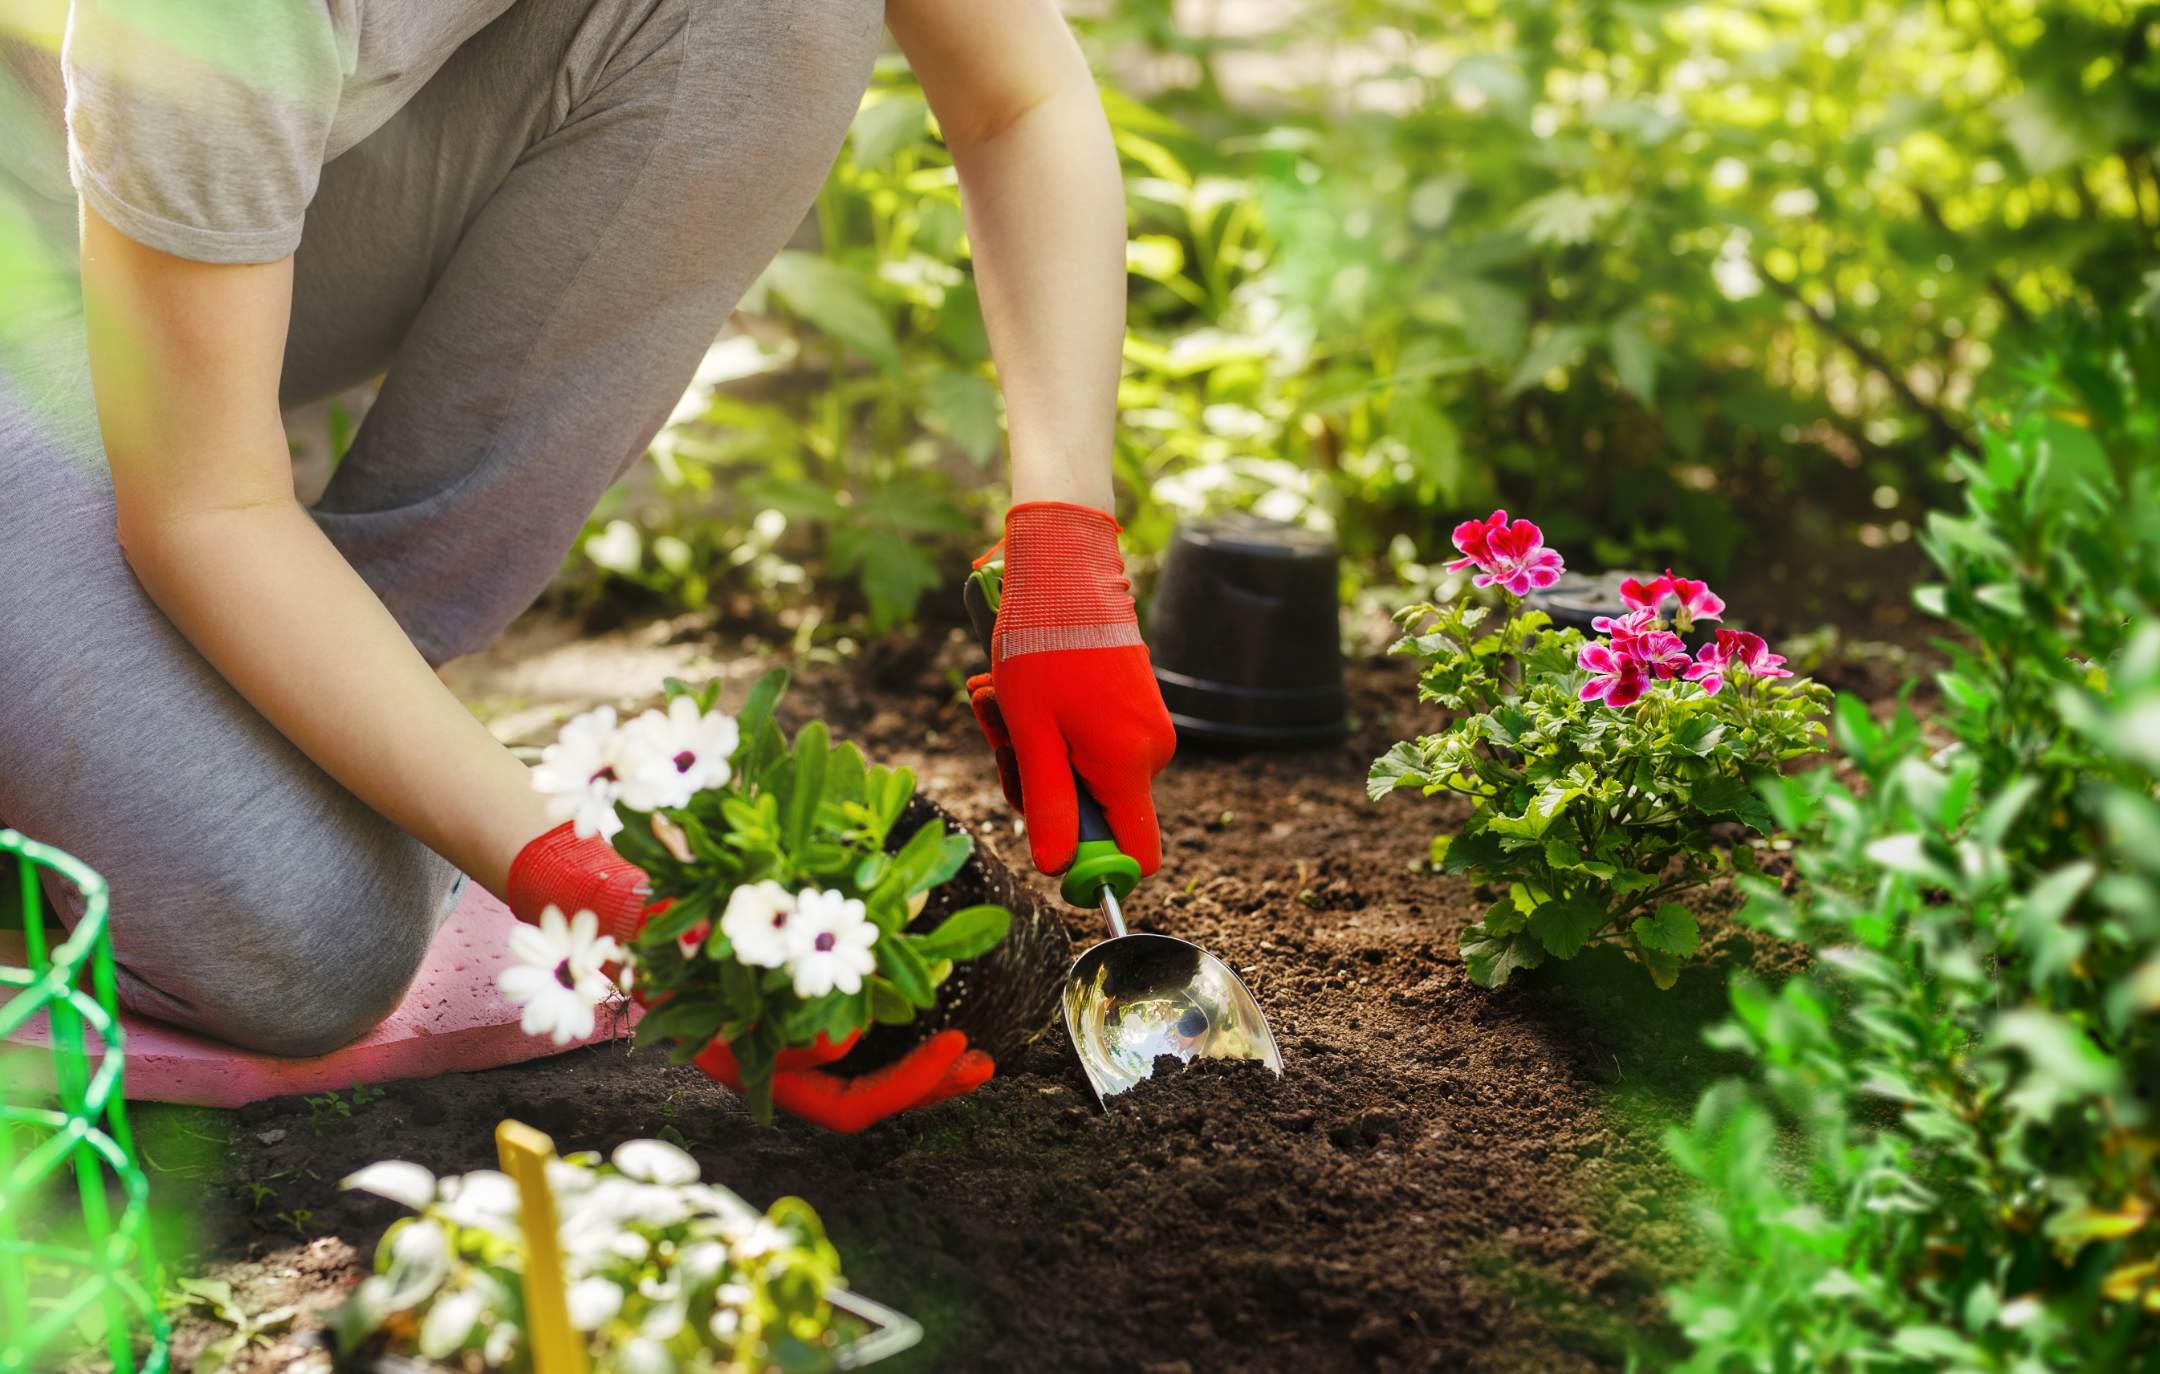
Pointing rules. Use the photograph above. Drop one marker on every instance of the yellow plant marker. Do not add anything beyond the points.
(556, 1348)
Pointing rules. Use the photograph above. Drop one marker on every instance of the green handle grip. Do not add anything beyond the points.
(1097, 863)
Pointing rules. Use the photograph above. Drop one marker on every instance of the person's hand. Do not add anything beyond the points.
(560, 870)
(1070, 689)
(942, 1066)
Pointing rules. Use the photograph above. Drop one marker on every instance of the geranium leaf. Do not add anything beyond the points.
(1671, 930)
(1565, 926)
(1492, 959)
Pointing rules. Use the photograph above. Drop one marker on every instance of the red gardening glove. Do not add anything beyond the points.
(942, 1066)
(1071, 688)
(982, 695)
(560, 870)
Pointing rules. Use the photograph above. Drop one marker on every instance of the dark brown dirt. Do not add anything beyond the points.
(1446, 1178)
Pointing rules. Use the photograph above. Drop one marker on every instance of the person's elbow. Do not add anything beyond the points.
(163, 537)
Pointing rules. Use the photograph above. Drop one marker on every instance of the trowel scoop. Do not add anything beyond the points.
(1133, 998)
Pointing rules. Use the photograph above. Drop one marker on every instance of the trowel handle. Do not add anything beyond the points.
(1097, 863)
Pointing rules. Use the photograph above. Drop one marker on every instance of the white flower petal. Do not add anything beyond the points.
(655, 1161)
(449, 1321)
(593, 1303)
(641, 1355)
(397, 1180)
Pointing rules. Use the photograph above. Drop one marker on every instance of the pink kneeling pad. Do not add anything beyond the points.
(452, 1021)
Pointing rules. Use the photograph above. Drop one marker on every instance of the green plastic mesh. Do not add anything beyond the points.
(76, 1266)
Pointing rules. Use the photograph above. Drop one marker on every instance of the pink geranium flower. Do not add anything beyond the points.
(1661, 651)
(1697, 601)
(1751, 655)
(1709, 667)
(1509, 554)
(1637, 636)
(1735, 651)
(1617, 679)
(1629, 626)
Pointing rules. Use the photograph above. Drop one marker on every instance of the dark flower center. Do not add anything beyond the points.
(825, 942)
(562, 974)
(606, 774)
(685, 761)
(779, 919)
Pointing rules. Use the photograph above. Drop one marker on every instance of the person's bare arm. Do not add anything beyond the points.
(185, 358)
(1046, 221)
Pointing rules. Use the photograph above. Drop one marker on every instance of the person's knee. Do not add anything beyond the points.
(317, 954)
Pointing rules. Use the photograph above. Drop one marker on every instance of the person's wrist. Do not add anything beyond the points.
(1064, 585)
(1067, 483)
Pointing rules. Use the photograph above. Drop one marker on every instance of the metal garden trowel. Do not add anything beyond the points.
(1132, 998)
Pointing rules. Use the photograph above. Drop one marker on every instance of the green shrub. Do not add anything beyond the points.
(1947, 1154)
(1630, 266)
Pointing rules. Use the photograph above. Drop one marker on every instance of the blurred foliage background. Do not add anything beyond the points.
(1678, 278)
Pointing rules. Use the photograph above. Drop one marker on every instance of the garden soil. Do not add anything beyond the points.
(1446, 1178)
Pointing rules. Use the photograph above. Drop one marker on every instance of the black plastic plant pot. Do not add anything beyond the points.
(1245, 633)
(1577, 600)
(1005, 1000)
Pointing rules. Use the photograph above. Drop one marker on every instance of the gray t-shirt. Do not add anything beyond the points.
(200, 127)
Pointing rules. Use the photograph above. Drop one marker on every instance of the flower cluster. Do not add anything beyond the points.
(1588, 820)
(1509, 554)
(665, 1273)
(822, 939)
(660, 759)
(783, 905)
(1640, 648)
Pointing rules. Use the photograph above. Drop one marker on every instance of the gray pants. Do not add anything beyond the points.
(536, 251)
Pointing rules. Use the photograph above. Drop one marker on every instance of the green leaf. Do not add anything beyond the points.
(1634, 357)
(1663, 968)
(891, 568)
(1402, 765)
(951, 857)
(1491, 959)
(897, 960)
(1563, 853)
(1538, 816)
(1478, 853)
(1566, 216)
(1726, 795)
(754, 722)
(883, 128)
(811, 750)
(966, 934)
(837, 301)
(965, 407)
(1672, 930)
(1560, 346)
(887, 1006)
(1699, 734)
(1565, 926)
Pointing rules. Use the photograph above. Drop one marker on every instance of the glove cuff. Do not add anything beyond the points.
(1064, 585)
(560, 870)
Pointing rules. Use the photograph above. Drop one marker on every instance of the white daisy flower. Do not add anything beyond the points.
(677, 753)
(756, 923)
(829, 943)
(583, 772)
(557, 977)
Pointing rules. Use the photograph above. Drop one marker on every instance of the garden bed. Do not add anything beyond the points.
(1447, 1178)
